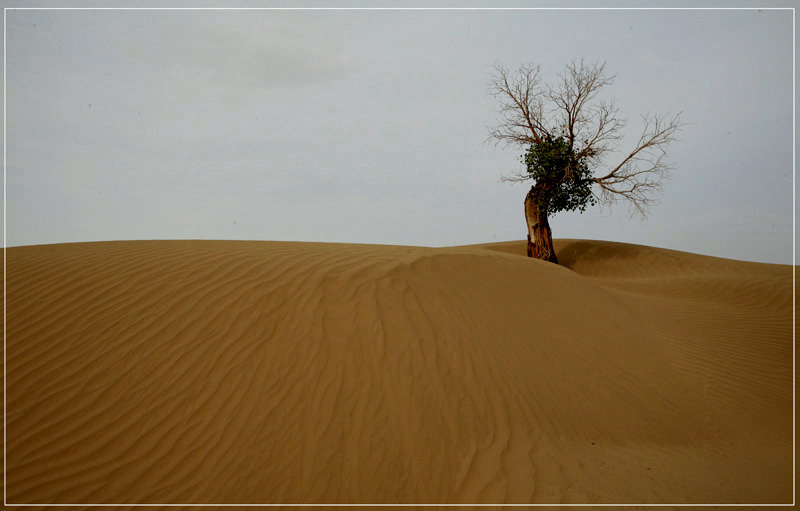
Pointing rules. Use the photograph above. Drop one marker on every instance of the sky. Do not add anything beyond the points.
(370, 126)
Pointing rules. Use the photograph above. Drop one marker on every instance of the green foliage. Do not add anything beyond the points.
(562, 181)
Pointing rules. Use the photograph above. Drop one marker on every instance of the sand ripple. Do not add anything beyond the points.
(277, 372)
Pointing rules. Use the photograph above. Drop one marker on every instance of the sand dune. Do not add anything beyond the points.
(277, 372)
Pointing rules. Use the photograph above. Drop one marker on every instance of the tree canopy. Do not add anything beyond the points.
(570, 109)
(562, 177)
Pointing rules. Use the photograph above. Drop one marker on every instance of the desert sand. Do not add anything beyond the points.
(283, 372)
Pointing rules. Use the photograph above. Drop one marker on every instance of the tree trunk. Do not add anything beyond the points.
(540, 239)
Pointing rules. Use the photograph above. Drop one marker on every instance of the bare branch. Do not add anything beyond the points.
(518, 177)
(605, 135)
(521, 112)
(579, 84)
(639, 177)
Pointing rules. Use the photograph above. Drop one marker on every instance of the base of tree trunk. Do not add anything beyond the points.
(540, 238)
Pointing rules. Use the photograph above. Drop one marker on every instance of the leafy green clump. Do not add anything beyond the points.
(562, 179)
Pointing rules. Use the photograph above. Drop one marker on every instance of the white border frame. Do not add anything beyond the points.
(794, 261)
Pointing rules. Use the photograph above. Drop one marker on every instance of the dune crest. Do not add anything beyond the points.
(282, 372)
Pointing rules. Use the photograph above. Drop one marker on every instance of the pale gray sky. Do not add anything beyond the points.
(367, 126)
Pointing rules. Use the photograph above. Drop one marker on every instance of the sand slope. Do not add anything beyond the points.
(277, 372)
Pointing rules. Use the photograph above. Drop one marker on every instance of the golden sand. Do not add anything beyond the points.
(280, 372)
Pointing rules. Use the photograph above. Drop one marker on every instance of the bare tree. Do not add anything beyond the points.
(567, 116)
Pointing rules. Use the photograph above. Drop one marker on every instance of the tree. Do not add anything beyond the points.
(568, 135)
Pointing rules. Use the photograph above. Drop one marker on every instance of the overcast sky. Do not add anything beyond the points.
(368, 126)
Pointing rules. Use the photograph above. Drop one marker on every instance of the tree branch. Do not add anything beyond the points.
(639, 177)
(521, 107)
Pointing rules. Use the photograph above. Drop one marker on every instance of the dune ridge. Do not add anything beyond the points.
(287, 372)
